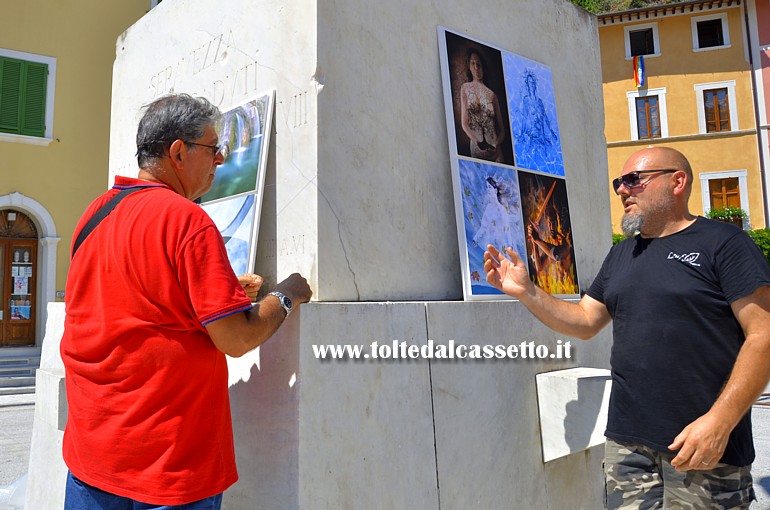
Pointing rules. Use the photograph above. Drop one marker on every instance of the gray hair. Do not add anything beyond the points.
(169, 118)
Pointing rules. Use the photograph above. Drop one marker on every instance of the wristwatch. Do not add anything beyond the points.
(285, 301)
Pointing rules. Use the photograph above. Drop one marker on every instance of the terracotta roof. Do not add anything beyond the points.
(658, 11)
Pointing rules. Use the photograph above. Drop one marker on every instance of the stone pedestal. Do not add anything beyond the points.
(358, 198)
(378, 433)
(407, 433)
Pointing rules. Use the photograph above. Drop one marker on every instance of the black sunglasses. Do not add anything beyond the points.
(222, 148)
(631, 179)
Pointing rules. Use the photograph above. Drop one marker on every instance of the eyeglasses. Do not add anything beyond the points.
(222, 148)
(631, 179)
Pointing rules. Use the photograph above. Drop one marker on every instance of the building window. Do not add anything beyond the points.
(723, 189)
(26, 97)
(717, 109)
(710, 32)
(642, 40)
(647, 113)
(22, 97)
(724, 193)
(647, 117)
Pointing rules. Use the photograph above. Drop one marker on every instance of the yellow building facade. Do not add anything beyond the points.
(55, 92)
(697, 98)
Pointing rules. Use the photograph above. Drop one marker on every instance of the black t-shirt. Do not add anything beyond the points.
(675, 336)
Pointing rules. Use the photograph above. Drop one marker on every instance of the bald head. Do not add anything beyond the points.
(652, 158)
(658, 205)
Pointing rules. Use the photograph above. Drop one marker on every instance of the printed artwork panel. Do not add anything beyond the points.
(234, 201)
(532, 110)
(492, 215)
(507, 174)
(549, 245)
(234, 219)
(477, 84)
(243, 131)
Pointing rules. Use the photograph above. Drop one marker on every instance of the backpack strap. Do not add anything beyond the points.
(102, 213)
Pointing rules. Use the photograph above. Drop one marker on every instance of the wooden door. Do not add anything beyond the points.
(19, 283)
(18, 278)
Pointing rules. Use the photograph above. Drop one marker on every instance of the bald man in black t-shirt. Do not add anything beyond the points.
(689, 299)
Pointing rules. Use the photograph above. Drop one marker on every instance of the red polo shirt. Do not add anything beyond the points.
(149, 414)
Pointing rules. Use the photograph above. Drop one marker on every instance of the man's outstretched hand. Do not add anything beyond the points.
(507, 274)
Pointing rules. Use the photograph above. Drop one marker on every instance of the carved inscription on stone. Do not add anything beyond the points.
(287, 246)
(197, 72)
(196, 66)
(294, 110)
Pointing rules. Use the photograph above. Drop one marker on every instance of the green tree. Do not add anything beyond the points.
(605, 6)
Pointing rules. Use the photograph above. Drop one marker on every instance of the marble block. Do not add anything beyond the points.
(488, 437)
(334, 434)
(573, 409)
(47, 471)
(381, 433)
(50, 359)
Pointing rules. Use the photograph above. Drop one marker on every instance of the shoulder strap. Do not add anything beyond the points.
(102, 213)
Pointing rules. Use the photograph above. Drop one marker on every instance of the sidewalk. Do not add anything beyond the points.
(761, 469)
(27, 399)
(17, 414)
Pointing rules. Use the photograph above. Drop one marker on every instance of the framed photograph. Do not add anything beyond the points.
(235, 219)
(550, 251)
(234, 201)
(532, 109)
(491, 208)
(508, 172)
(245, 130)
(477, 110)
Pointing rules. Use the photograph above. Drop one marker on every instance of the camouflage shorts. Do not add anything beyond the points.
(640, 478)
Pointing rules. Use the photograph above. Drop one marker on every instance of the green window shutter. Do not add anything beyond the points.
(10, 94)
(33, 111)
(22, 96)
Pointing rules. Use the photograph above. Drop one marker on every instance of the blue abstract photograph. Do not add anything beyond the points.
(492, 215)
(234, 219)
(532, 110)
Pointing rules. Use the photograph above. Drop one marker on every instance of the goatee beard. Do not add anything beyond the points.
(631, 224)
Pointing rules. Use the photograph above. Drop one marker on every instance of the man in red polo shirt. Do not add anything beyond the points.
(152, 307)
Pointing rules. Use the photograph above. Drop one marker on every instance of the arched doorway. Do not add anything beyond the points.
(45, 277)
(18, 280)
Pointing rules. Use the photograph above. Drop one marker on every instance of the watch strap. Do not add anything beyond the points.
(283, 300)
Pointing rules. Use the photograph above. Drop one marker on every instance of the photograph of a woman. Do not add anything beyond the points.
(479, 101)
(492, 214)
(532, 108)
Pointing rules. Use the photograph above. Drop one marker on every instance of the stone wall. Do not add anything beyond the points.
(359, 191)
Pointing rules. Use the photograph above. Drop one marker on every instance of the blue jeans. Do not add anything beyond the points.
(81, 496)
